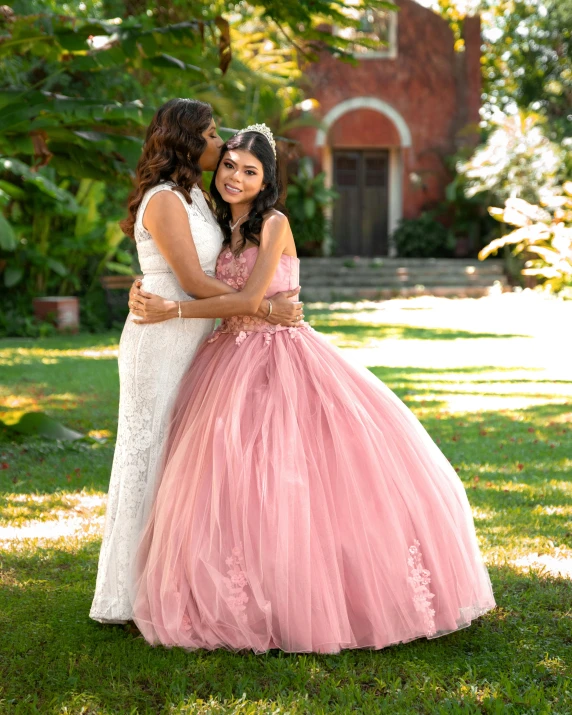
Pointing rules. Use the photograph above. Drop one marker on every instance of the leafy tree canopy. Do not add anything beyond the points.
(79, 79)
(527, 56)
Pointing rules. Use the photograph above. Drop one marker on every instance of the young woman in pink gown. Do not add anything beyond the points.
(302, 506)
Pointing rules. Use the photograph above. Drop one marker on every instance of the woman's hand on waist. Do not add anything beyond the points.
(284, 310)
(134, 290)
(151, 308)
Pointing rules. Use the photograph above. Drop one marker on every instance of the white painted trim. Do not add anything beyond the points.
(390, 51)
(387, 52)
(328, 169)
(395, 198)
(378, 105)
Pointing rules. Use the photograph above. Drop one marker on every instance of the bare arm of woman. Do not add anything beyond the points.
(167, 221)
(275, 237)
(154, 308)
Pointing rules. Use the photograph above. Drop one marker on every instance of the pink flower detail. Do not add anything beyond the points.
(235, 583)
(241, 337)
(233, 270)
(419, 580)
(186, 623)
(267, 339)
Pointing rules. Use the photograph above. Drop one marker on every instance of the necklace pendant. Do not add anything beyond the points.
(234, 225)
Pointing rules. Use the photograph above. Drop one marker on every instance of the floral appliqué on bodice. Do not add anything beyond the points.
(234, 271)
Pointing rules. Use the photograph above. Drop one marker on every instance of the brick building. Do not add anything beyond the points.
(390, 122)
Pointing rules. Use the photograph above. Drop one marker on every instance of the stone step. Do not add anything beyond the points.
(399, 271)
(494, 266)
(374, 267)
(310, 295)
(325, 278)
(410, 279)
(325, 281)
(316, 275)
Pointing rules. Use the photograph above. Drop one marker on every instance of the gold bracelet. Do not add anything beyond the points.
(180, 313)
(269, 308)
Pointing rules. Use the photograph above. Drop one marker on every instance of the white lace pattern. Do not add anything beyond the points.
(152, 361)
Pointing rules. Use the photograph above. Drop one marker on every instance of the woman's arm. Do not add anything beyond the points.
(167, 221)
(155, 309)
(273, 240)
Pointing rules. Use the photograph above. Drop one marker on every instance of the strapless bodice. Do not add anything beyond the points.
(235, 270)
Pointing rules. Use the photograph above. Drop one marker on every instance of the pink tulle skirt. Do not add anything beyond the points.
(302, 507)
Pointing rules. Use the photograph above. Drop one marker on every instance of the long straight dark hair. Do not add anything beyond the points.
(266, 200)
(172, 149)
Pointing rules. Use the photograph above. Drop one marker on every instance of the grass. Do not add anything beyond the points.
(492, 388)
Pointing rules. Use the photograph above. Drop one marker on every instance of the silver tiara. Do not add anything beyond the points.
(261, 129)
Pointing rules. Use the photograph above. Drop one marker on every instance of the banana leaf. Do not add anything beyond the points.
(7, 235)
(19, 168)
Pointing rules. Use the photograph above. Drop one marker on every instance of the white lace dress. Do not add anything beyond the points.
(152, 361)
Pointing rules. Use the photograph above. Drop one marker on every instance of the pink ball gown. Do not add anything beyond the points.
(302, 506)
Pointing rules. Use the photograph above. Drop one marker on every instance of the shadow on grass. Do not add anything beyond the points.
(81, 393)
(441, 374)
(422, 382)
(39, 466)
(363, 331)
(54, 656)
(62, 342)
(14, 509)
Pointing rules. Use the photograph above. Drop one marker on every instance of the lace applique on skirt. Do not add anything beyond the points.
(419, 580)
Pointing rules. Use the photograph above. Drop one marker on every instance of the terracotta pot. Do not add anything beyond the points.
(62, 311)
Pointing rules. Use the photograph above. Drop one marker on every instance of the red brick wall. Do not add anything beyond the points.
(425, 83)
(363, 128)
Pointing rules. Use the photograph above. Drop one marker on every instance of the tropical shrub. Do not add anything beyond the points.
(517, 159)
(467, 217)
(307, 203)
(543, 234)
(423, 237)
(55, 240)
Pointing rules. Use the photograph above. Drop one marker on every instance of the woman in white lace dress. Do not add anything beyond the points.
(178, 241)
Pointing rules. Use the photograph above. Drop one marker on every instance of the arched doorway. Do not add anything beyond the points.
(362, 145)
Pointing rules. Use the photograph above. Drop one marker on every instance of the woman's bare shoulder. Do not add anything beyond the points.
(276, 217)
(276, 227)
(275, 223)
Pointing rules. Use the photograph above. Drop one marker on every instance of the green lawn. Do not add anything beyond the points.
(492, 382)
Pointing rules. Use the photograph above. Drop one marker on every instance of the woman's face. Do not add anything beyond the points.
(240, 177)
(209, 158)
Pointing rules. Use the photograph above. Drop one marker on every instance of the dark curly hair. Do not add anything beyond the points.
(173, 146)
(266, 200)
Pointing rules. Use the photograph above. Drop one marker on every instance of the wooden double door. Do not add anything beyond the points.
(360, 217)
